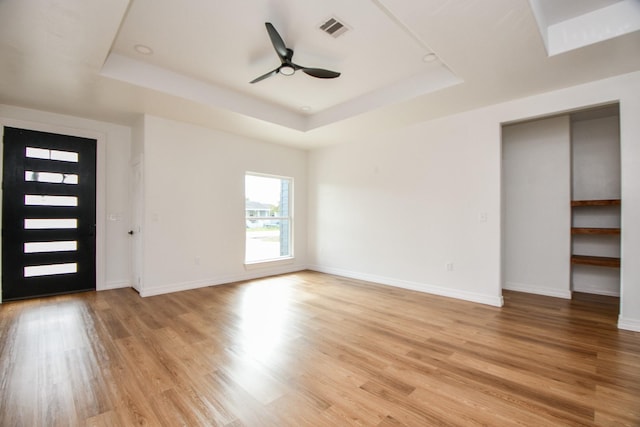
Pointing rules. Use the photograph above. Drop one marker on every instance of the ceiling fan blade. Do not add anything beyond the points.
(276, 41)
(320, 73)
(264, 76)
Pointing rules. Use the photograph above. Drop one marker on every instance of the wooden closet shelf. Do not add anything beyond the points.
(592, 230)
(604, 202)
(598, 261)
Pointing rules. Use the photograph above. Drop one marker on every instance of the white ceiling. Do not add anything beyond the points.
(78, 57)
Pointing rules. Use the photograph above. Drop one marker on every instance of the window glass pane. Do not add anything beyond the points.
(43, 153)
(51, 177)
(60, 246)
(49, 223)
(263, 195)
(70, 178)
(37, 153)
(44, 200)
(267, 240)
(51, 269)
(267, 218)
(65, 156)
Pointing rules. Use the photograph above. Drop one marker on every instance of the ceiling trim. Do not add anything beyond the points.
(149, 76)
(438, 78)
(156, 78)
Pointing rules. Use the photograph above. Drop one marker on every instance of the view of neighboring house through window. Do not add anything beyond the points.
(268, 201)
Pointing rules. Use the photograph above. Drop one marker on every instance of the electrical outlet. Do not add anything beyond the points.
(197, 260)
(449, 266)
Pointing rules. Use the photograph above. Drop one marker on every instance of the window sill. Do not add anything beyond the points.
(254, 265)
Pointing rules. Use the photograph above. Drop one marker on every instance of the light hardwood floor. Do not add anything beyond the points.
(309, 349)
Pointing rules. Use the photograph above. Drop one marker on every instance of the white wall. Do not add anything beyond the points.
(397, 208)
(630, 193)
(596, 158)
(536, 180)
(194, 227)
(114, 146)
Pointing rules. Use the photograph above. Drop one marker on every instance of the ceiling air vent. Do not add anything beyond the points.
(334, 27)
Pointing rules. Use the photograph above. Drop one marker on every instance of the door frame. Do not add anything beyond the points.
(101, 181)
(136, 242)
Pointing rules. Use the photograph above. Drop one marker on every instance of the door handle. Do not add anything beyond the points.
(130, 232)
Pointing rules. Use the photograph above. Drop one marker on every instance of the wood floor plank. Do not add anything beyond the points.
(311, 349)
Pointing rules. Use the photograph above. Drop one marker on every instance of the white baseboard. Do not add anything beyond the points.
(495, 301)
(114, 284)
(214, 281)
(629, 324)
(538, 290)
(604, 292)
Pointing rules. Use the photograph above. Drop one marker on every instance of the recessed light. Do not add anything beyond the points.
(305, 108)
(143, 49)
(430, 57)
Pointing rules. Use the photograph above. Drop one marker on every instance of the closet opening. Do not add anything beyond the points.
(561, 201)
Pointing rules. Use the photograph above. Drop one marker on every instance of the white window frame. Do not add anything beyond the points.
(284, 259)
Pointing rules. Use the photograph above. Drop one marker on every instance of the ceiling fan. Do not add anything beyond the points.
(287, 67)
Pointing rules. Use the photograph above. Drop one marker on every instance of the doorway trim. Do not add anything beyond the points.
(101, 181)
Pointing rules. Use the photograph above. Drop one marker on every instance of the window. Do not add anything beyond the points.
(268, 201)
(44, 153)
